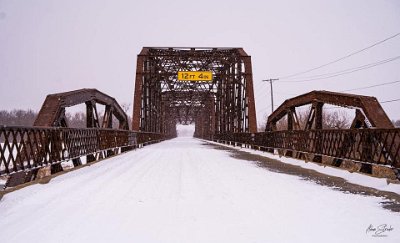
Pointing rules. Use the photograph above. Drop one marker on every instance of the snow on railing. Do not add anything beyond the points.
(27, 148)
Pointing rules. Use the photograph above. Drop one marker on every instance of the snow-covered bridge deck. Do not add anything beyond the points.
(183, 190)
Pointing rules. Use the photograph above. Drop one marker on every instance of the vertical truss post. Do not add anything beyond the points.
(138, 94)
(107, 118)
(90, 123)
(251, 109)
(318, 126)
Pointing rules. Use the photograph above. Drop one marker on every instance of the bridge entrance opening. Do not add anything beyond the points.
(209, 87)
(185, 130)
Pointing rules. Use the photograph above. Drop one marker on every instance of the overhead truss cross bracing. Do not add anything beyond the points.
(224, 104)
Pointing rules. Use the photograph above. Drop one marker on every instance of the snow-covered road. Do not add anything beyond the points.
(183, 190)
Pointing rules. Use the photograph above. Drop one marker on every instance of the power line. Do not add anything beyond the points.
(341, 58)
(346, 71)
(372, 86)
(286, 93)
(260, 86)
(389, 101)
(354, 68)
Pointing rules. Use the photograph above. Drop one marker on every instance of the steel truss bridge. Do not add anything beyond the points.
(222, 109)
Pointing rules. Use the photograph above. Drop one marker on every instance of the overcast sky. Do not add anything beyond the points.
(50, 46)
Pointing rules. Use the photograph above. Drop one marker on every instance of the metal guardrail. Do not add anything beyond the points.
(376, 146)
(27, 148)
(30, 148)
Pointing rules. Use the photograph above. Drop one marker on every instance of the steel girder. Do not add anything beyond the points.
(226, 104)
(368, 110)
(52, 113)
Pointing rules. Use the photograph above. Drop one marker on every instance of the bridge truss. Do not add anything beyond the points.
(224, 104)
(371, 138)
(222, 109)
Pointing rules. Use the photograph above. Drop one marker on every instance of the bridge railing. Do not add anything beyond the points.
(376, 146)
(26, 148)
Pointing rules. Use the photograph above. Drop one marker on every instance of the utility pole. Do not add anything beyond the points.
(272, 91)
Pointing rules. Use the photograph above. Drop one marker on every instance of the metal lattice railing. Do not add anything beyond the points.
(377, 146)
(24, 148)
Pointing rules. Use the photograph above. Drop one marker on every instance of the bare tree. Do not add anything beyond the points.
(76, 120)
(126, 107)
(331, 120)
(17, 117)
(336, 120)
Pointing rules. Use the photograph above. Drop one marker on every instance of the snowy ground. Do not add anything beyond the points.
(182, 190)
(356, 178)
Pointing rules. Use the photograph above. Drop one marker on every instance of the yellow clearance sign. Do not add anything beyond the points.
(195, 76)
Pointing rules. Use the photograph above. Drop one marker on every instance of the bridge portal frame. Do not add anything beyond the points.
(225, 105)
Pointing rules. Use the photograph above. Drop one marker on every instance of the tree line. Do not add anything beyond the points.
(18, 117)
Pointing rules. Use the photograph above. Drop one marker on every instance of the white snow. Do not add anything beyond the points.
(6, 155)
(2, 183)
(182, 190)
(185, 130)
(356, 178)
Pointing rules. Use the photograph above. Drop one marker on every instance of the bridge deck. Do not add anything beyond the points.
(183, 190)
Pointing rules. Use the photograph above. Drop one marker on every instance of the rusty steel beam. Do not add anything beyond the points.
(251, 106)
(137, 96)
